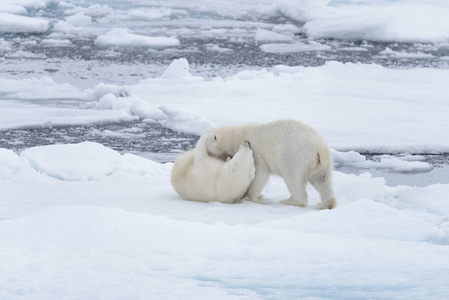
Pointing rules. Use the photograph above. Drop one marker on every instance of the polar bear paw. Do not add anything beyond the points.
(256, 199)
(294, 202)
(330, 204)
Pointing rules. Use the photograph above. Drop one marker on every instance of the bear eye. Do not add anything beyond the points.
(215, 137)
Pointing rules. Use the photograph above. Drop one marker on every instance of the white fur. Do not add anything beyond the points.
(197, 176)
(290, 149)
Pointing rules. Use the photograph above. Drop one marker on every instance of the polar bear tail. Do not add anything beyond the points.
(324, 157)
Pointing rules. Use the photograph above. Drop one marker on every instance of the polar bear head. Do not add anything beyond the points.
(224, 142)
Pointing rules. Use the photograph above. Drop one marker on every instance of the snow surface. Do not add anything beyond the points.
(25, 54)
(122, 38)
(403, 54)
(391, 21)
(57, 43)
(295, 47)
(263, 35)
(27, 4)
(365, 108)
(11, 23)
(402, 164)
(105, 225)
(19, 115)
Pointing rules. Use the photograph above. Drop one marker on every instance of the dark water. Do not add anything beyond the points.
(83, 59)
(134, 137)
(439, 173)
(209, 63)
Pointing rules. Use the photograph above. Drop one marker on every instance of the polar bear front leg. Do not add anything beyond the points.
(258, 183)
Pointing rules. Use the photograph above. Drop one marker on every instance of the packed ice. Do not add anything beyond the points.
(122, 38)
(80, 220)
(11, 23)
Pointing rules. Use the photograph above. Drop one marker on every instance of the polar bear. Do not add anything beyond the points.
(197, 176)
(288, 148)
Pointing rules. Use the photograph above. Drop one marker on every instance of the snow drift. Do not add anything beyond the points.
(110, 225)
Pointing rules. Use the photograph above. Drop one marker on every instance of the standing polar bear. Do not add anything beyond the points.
(290, 149)
(197, 176)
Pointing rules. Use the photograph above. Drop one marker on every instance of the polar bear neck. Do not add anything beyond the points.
(232, 143)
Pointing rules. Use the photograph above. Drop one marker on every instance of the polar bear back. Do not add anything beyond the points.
(277, 146)
(281, 143)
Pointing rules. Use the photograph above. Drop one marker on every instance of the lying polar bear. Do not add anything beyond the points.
(197, 176)
(288, 148)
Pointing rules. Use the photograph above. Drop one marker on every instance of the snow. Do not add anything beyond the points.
(349, 110)
(29, 4)
(56, 43)
(263, 35)
(110, 225)
(179, 68)
(389, 21)
(295, 47)
(4, 45)
(212, 47)
(144, 14)
(403, 54)
(25, 54)
(403, 164)
(179, 119)
(33, 115)
(44, 88)
(171, 116)
(64, 27)
(79, 20)
(87, 161)
(83, 221)
(10, 23)
(95, 10)
(122, 38)
(357, 49)
(344, 111)
(13, 9)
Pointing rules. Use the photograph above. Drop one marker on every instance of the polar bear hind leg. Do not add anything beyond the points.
(323, 184)
(321, 179)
